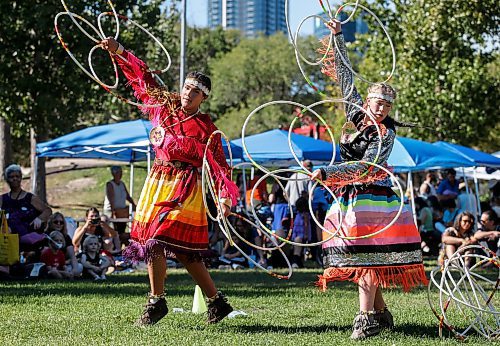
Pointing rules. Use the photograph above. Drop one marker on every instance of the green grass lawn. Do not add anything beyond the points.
(290, 312)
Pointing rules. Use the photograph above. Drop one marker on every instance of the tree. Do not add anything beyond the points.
(42, 90)
(255, 72)
(445, 55)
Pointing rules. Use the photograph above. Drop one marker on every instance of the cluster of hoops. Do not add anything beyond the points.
(274, 238)
(466, 294)
(97, 35)
(465, 289)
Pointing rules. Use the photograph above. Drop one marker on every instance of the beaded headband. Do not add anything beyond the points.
(386, 97)
(196, 83)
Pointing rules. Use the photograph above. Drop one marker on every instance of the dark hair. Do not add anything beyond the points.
(492, 216)
(302, 204)
(420, 202)
(449, 203)
(89, 210)
(202, 78)
(451, 171)
(434, 202)
(456, 224)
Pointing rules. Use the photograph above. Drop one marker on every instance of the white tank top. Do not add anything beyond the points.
(119, 194)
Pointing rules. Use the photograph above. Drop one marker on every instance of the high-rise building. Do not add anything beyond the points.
(251, 17)
(350, 29)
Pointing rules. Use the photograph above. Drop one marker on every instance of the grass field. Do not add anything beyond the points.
(290, 312)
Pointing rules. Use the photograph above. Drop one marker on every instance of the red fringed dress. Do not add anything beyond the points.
(170, 210)
(367, 203)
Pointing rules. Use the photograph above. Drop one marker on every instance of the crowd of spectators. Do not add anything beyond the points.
(446, 212)
(48, 249)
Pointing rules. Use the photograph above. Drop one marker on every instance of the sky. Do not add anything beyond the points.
(299, 9)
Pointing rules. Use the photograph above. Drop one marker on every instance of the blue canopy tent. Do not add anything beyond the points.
(272, 149)
(478, 157)
(126, 142)
(413, 155)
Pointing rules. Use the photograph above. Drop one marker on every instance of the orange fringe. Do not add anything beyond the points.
(328, 65)
(407, 277)
(161, 95)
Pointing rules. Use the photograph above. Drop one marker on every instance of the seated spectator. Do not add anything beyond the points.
(489, 230)
(449, 215)
(54, 258)
(57, 222)
(26, 213)
(430, 237)
(94, 225)
(230, 254)
(460, 235)
(95, 265)
(437, 211)
(448, 187)
(301, 231)
(216, 238)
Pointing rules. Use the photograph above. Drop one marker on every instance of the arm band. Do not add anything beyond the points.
(120, 49)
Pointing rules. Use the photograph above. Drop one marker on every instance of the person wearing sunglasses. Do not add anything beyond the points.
(489, 230)
(459, 236)
(57, 222)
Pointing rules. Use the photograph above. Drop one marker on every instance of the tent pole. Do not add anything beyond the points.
(149, 158)
(476, 184)
(34, 176)
(244, 186)
(412, 201)
(131, 183)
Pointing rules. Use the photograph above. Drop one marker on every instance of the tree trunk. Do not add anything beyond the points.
(5, 146)
(39, 188)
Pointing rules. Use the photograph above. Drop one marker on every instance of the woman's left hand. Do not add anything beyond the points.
(36, 223)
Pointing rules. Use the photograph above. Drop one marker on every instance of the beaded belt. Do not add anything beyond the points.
(175, 164)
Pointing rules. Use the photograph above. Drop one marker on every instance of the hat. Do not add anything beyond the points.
(461, 185)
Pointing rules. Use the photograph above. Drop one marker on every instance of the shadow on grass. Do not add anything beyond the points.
(417, 330)
(413, 330)
(259, 328)
(241, 284)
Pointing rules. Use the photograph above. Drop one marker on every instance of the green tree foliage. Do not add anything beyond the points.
(445, 59)
(255, 72)
(43, 89)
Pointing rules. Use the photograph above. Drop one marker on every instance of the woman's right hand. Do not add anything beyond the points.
(334, 26)
(109, 44)
(316, 175)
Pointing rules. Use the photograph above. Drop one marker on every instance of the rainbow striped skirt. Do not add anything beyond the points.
(171, 212)
(392, 257)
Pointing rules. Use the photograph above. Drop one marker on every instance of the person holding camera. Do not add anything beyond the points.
(94, 225)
